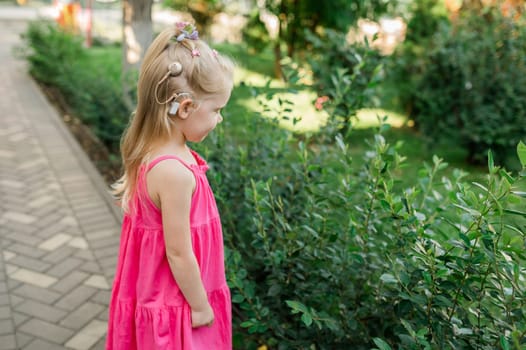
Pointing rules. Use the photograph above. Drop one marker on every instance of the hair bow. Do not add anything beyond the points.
(188, 31)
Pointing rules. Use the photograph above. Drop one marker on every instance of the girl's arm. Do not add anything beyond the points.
(173, 185)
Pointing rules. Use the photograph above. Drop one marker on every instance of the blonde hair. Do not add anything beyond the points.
(204, 73)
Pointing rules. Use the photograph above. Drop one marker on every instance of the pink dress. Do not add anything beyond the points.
(147, 309)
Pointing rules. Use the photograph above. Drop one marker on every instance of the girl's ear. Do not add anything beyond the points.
(185, 108)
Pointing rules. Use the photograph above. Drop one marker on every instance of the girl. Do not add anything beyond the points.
(169, 290)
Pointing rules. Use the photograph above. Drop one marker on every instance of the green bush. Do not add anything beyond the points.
(323, 254)
(91, 87)
(466, 83)
(346, 73)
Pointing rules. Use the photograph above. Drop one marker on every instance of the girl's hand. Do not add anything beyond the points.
(203, 317)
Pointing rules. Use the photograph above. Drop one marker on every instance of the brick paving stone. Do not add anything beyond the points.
(102, 297)
(79, 243)
(97, 281)
(105, 242)
(24, 238)
(82, 315)
(51, 223)
(98, 234)
(41, 201)
(64, 267)
(99, 226)
(103, 316)
(91, 267)
(33, 277)
(101, 344)
(46, 330)
(10, 269)
(88, 336)
(30, 264)
(19, 217)
(17, 228)
(15, 300)
(76, 297)
(59, 255)
(104, 252)
(39, 344)
(7, 342)
(37, 293)
(42, 311)
(13, 284)
(6, 327)
(23, 339)
(69, 221)
(70, 281)
(85, 254)
(50, 230)
(5, 312)
(26, 250)
(19, 318)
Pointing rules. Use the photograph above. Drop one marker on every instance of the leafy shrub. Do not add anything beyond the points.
(57, 58)
(322, 254)
(469, 82)
(45, 47)
(347, 73)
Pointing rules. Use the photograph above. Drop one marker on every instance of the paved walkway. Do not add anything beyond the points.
(58, 227)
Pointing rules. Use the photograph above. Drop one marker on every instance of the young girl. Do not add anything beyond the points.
(170, 290)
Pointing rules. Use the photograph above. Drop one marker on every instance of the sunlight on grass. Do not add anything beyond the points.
(368, 117)
(303, 116)
(253, 78)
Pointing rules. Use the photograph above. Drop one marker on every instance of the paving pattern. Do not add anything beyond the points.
(59, 230)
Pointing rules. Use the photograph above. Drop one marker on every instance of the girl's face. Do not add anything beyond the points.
(205, 117)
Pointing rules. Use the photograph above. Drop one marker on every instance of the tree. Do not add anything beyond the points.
(295, 16)
(137, 34)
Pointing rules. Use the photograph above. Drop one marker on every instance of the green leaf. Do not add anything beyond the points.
(515, 212)
(382, 345)
(521, 152)
(504, 343)
(296, 306)
(247, 324)
(238, 298)
(307, 319)
(388, 278)
(491, 163)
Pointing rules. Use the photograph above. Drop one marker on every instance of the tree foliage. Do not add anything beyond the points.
(294, 16)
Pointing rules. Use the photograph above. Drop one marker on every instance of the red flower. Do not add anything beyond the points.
(320, 101)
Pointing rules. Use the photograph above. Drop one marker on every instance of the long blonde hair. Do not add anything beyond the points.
(204, 72)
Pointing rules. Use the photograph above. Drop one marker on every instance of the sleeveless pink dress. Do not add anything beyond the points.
(147, 309)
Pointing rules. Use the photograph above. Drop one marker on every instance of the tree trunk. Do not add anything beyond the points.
(137, 34)
(292, 27)
(282, 23)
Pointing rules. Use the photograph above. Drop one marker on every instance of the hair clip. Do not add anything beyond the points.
(188, 31)
(195, 52)
(215, 53)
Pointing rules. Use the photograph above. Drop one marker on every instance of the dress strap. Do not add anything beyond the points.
(169, 156)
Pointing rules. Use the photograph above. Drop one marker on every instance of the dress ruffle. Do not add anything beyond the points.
(155, 327)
